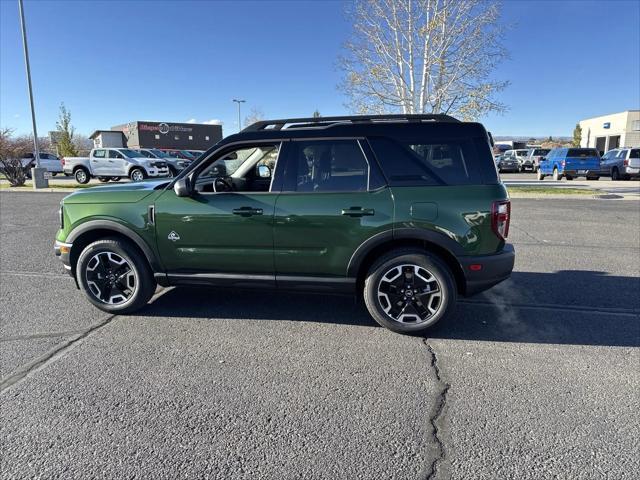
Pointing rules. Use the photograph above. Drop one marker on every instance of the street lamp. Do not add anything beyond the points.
(37, 173)
(239, 102)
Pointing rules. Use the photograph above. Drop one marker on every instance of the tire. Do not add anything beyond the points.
(426, 271)
(540, 175)
(67, 174)
(115, 179)
(172, 172)
(568, 177)
(556, 175)
(103, 179)
(137, 175)
(98, 273)
(593, 178)
(82, 176)
(615, 174)
(53, 174)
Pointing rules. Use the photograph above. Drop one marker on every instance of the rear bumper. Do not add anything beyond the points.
(588, 172)
(495, 268)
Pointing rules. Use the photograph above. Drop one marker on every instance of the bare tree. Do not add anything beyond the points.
(255, 115)
(424, 56)
(12, 151)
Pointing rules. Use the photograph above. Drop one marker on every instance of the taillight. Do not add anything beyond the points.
(563, 163)
(626, 162)
(62, 161)
(500, 218)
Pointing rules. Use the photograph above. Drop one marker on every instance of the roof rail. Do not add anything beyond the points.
(324, 122)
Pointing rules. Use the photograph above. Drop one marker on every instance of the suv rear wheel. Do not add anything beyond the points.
(114, 276)
(408, 291)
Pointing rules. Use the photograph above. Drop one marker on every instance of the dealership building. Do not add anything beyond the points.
(611, 131)
(180, 136)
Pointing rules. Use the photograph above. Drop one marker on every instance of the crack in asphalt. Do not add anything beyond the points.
(52, 355)
(541, 242)
(625, 312)
(437, 414)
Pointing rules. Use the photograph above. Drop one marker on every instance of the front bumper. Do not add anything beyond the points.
(157, 172)
(494, 269)
(63, 250)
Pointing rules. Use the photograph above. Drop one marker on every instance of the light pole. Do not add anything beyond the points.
(37, 173)
(239, 121)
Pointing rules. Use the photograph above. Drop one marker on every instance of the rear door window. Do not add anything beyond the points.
(326, 166)
(635, 153)
(99, 153)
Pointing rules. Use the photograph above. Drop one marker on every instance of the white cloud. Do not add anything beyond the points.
(214, 121)
(192, 120)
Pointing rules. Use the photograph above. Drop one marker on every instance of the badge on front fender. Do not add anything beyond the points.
(173, 236)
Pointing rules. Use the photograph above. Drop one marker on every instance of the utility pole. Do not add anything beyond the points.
(37, 173)
(238, 101)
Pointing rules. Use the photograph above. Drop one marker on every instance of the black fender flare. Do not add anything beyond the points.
(436, 238)
(103, 224)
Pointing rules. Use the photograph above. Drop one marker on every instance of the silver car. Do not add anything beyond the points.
(621, 163)
(535, 155)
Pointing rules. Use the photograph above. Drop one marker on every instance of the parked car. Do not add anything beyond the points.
(521, 156)
(407, 214)
(507, 164)
(621, 163)
(113, 164)
(195, 153)
(534, 156)
(47, 160)
(570, 163)
(175, 164)
(184, 154)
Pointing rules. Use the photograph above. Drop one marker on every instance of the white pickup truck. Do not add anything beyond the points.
(113, 164)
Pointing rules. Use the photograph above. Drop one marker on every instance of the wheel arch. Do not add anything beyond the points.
(93, 230)
(433, 242)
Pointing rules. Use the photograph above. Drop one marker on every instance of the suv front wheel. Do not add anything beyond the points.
(408, 291)
(114, 276)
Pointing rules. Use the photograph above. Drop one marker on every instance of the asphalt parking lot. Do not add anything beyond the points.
(537, 378)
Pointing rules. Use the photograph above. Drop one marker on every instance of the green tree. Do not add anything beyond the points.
(550, 139)
(577, 135)
(66, 147)
(316, 114)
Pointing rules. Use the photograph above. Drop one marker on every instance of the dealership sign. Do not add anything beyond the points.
(163, 128)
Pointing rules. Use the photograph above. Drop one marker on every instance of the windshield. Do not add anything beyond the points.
(160, 153)
(582, 152)
(541, 151)
(130, 153)
(187, 154)
(144, 153)
(522, 153)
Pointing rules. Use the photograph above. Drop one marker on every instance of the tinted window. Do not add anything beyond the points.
(144, 153)
(130, 153)
(540, 151)
(582, 152)
(327, 166)
(422, 163)
(635, 153)
(114, 154)
(99, 153)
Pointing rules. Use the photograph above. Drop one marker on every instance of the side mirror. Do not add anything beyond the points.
(182, 187)
(264, 171)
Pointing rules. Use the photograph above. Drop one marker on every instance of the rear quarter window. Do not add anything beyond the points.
(410, 162)
(635, 153)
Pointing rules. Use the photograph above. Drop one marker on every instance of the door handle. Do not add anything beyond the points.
(358, 212)
(247, 211)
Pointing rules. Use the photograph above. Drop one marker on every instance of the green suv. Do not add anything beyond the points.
(405, 210)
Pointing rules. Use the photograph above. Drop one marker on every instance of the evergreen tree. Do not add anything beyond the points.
(577, 135)
(66, 147)
(316, 114)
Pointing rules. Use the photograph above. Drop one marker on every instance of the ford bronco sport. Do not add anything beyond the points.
(405, 210)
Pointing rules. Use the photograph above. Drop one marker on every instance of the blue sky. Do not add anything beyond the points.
(117, 61)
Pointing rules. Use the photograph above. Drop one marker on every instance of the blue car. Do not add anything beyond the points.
(570, 163)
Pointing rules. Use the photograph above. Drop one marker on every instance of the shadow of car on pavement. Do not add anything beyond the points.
(564, 307)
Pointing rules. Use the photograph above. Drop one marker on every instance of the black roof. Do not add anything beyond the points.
(442, 126)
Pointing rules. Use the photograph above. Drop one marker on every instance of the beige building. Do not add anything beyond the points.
(611, 131)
